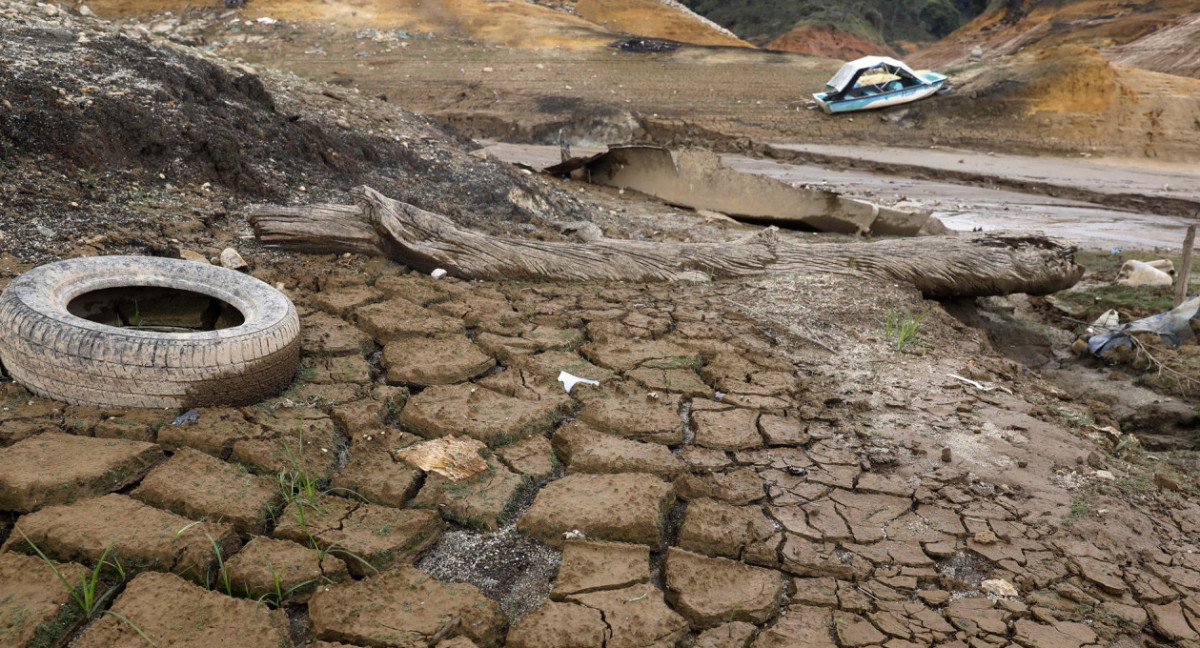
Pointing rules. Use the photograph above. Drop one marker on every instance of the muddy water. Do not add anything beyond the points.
(965, 208)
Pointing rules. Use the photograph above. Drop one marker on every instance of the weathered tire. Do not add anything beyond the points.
(60, 356)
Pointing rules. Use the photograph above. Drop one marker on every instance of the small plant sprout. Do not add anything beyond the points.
(901, 329)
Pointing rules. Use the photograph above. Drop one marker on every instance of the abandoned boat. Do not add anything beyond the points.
(875, 82)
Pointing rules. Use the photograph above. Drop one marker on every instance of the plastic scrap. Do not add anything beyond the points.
(438, 273)
(569, 381)
(1173, 327)
(186, 417)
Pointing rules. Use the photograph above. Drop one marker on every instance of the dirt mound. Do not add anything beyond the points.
(1174, 49)
(827, 40)
(656, 19)
(1158, 36)
(1073, 78)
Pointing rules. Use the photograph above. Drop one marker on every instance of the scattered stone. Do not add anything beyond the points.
(628, 507)
(589, 566)
(480, 501)
(479, 413)
(54, 468)
(279, 570)
(451, 457)
(584, 449)
(559, 625)
(169, 611)
(709, 591)
(946, 455)
(998, 587)
(985, 537)
(198, 486)
(139, 536)
(636, 616)
(32, 596)
(403, 607)
(434, 361)
(369, 537)
(234, 261)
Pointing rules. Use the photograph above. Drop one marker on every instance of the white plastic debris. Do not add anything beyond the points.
(1106, 322)
(575, 534)
(998, 587)
(267, 21)
(569, 381)
(438, 274)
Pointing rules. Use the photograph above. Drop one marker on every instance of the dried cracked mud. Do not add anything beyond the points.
(726, 484)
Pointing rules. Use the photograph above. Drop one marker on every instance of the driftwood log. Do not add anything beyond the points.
(989, 264)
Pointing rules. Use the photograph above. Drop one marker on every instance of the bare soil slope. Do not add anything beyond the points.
(827, 40)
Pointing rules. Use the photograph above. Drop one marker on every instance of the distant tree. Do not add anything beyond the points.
(940, 17)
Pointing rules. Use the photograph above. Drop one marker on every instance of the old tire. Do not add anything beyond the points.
(60, 356)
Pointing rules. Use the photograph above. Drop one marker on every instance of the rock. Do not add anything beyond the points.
(198, 486)
(589, 566)
(370, 537)
(1168, 620)
(799, 626)
(480, 501)
(189, 255)
(637, 616)
(1061, 634)
(558, 625)
(854, 631)
(280, 570)
(735, 429)
(532, 457)
(946, 455)
(407, 606)
(985, 537)
(434, 361)
(584, 449)
(709, 591)
(998, 587)
(234, 261)
(1104, 574)
(140, 536)
(54, 468)
(32, 595)
(172, 612)
(479, 413)
(738, 532)
(628, 507)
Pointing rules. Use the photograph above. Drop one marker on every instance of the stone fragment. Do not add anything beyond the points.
(584, 449)
(589, 566)
(479, 413)
(709, 591)
(280, 570)
(1168, 620)
(558, 625)
(738, 532)
(169, 611)
(403, 607)
(533, 457)
(372, 473)
(434, 361)
(198, 486)
(139, 536)
(853, 631)
(636, 616)
(32, 596)
(977, 615)
(735, 429)
(799, 626)
(738, 487)
(736, 634)
(1060, 634)
(400, 318)
(998, 587)
(234, 261)
(627, 507)
(54, 468)
(635, 418)
(369, 537)
(480, 501)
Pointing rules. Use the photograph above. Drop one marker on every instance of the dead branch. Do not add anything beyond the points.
(990, 264)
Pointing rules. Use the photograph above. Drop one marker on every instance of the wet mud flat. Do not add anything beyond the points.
(727, 480)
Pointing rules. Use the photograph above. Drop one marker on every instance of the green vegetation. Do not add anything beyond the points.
(760, 21)
(901, 330)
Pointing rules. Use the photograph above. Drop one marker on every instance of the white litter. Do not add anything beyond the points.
(267, 21)
(569, 381)
(438, 274)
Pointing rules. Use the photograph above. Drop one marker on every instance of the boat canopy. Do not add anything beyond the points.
(850, 72)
